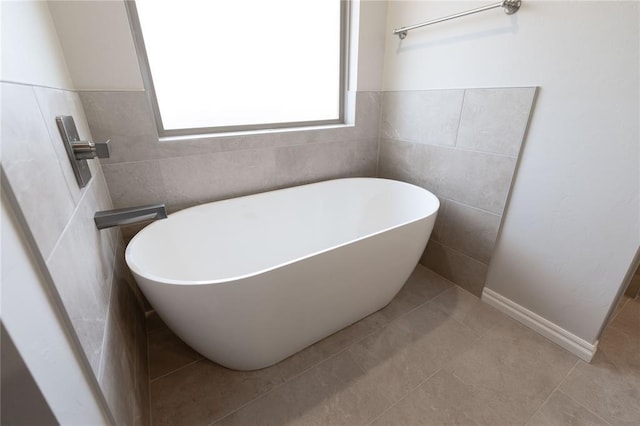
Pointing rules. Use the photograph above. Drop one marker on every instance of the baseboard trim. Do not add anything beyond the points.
(574, 344)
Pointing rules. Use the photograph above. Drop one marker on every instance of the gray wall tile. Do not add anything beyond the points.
(79, 257)
(135, 184)
(52, 103)
(474, 178)
(471, 173)
(198, 179)
(463, 270)
(301, 164)
(425, 116)
(495, 120)
(468, 230)
(32, 167)
(124, 118)
(85, 286)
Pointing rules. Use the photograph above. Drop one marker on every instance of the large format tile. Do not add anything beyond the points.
(126, 119)
(204, 392)
(335, 392)
(422, 285)
(32, 167)
(473, 178)
(468, 309)
(135, 184)
(301, 164)
(560, 410)
(53, 103)
(468, 230)
(416, 345)
(515, 367)
(117, 376)
(197, 179)
(444, 400)
(329, 346)
(81, 266)
(463, 270)
(168, 353)
(424, 116)
(610, 385)
(495, 120)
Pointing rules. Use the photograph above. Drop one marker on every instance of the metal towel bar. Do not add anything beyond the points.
(510, 7)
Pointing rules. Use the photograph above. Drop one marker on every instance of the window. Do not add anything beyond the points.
(230, 65)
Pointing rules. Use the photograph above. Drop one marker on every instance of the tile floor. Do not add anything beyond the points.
(435, 355)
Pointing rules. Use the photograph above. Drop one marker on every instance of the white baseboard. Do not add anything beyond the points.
(574, 344)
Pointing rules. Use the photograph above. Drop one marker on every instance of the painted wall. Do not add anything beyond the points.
(571, 228)
(81, 260)
(31, 52)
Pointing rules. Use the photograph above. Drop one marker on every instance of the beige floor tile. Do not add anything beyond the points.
(446, 400)
(468, 309)
(336, 392)
(627, 319)
(422, 286)
(560, 410)
(610, 385)
(608, 390)
(329, 346)
(204, 392)
(167, 353)
(515, 366)
(410, 349)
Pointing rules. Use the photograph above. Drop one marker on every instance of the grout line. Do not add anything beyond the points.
(409, 392)
(464, 97)
(553, 391)
(583, 406)
(171, 372)
(453, 147)
(346, 348)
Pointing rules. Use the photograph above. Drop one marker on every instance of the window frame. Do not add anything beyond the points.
(145, 70)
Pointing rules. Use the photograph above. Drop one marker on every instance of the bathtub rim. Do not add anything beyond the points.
(167, 281)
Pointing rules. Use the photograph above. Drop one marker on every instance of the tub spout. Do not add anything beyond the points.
(128, 216)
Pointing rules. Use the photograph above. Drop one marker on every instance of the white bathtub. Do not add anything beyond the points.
(250, 281)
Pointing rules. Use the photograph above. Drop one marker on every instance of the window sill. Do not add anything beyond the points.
(254, 132)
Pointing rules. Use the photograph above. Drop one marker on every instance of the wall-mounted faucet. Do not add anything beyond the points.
(79, 151)
(129, 216)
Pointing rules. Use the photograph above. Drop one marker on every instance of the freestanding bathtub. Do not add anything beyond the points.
(250, 281)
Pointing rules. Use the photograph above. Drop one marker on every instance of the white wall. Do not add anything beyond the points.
(97, 43)
(31, 52)
(571, 228)
(99, 49)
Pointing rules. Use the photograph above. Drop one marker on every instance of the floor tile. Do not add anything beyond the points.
(610, 385)
(515, 366)
(204, 392)
(329, 346)
(422, 285)
(560, 410)
(336, 392)
(607, 388)
(468, 309)
(444, 400)
(410, 349)
(167, 353)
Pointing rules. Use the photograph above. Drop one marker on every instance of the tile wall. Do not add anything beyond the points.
(84, 262)
(463, 146)
(184, 173)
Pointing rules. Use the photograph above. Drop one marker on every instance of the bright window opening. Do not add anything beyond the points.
(225, 65)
